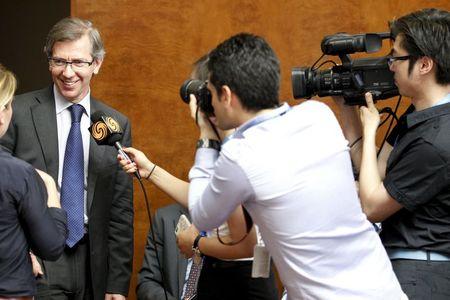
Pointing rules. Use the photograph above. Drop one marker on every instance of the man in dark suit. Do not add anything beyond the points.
(97, 260)
(172, 261)
(216, 277)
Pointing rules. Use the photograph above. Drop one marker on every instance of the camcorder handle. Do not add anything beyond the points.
(343, 43)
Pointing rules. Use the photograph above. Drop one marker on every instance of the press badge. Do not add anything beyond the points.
(261, 262)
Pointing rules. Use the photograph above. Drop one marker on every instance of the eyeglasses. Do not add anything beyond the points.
(392, 59)
(75, 64)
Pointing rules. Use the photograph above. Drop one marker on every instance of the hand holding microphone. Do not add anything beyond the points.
(106, 131)
(138, 163)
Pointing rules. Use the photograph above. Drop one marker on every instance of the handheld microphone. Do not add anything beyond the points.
(106, 131)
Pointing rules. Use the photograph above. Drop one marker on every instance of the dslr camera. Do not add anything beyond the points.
(352, 78)
(201, 93)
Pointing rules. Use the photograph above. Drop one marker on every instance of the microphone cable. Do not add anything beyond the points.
(155, 244)
(393, 115)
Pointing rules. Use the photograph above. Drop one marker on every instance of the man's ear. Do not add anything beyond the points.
(98, 64)
(426, 65)
(226, 94)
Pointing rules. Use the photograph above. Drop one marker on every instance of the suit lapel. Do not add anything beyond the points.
(44, 119)
(95, 160)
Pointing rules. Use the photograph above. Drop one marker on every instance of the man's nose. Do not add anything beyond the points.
(68, 71)
(391, 67)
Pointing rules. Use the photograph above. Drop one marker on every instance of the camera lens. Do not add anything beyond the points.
(190, 86)
(200, 91)
(301, 87)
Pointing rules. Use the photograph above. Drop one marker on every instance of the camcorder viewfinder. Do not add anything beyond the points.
(201, 93)
(352, 78)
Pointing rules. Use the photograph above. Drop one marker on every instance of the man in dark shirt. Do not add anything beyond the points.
(408, 187)
(31, 214)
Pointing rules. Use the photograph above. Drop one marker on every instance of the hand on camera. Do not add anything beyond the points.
(141, 162)
(370, 117)
(206, 130)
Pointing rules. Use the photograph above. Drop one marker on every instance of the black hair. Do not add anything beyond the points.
(249, 67)
(426, 33)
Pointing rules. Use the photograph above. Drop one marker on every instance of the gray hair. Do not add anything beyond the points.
(72, 29)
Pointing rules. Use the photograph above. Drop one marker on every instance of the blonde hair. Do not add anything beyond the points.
(8, 84)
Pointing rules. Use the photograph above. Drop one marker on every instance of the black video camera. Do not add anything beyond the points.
(201, 93)
(353, 78)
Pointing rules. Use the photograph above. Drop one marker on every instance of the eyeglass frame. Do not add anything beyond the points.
(391, 59)
(72, 63)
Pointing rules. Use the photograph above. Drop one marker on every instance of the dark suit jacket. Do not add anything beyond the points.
(172, 262)
(32, 136)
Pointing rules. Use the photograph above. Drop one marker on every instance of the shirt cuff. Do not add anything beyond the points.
(205, 159)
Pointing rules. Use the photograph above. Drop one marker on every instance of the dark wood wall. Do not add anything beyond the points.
(24, 25)
(151, 45)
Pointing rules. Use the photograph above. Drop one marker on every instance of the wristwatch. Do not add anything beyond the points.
(195, 248)
(207, 143)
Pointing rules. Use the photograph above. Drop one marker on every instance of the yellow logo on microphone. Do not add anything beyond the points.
(99, 131)
(112, 124)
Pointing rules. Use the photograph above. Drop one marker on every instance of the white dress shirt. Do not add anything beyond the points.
(291, 169)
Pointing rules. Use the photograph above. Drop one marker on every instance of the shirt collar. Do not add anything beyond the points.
(61, 103)
(444, 100)
(257, 120)
(441, 108)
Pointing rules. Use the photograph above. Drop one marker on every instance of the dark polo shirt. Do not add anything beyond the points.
(418, 177)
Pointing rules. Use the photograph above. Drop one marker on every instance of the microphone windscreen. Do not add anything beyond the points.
(97, 116)
(113, 138)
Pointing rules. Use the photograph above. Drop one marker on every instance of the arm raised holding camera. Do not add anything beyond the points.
(353, 131)
(360, 127)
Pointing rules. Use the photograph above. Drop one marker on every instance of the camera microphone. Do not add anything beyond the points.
(105, 130)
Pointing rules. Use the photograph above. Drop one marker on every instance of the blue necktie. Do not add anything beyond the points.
(72, 185)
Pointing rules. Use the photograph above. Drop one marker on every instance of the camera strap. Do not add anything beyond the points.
(277, 112)
(248, 225)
